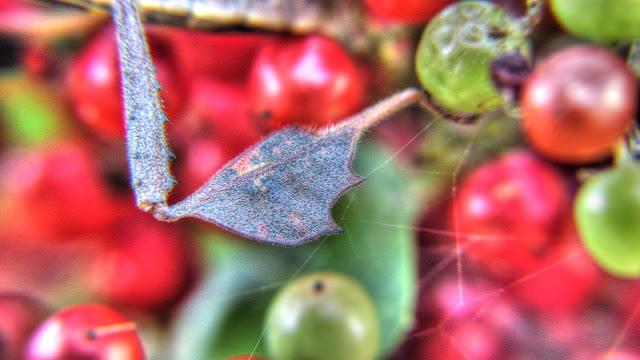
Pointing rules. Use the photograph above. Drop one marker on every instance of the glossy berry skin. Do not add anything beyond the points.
(410, 11)
(20, 315)
(311, 82)
(508, 210)
(85, 332)
(456, 50)
(604, 21)
(94, 83)
(147, 267)
(578, 103)
(322, 316)
(607, 209)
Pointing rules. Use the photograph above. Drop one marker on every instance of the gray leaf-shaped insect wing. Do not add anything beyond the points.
(280, 191)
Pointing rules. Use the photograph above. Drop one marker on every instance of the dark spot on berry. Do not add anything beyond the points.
(91, 334)
(266, 115)
(496, 34)
(318, 286)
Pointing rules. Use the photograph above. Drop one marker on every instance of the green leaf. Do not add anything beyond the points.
(225, 316)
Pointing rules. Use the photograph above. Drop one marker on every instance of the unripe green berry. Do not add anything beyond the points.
(603, 21)
(322, 316)
(456, 50)
(607, 211)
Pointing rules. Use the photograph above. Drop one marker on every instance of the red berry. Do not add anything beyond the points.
(94, 83)
(55, 193)
(19, 317)
(214, 129)
(201, 159)
(147, 267)
(471, 340)
(564, 279)
(508, 210)
(85, 332)
(578, 103)
(228, 56)
(312, 82)
(217, 111)
(409, 11)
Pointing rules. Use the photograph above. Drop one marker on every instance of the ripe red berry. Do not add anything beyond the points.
(471, 340)
(19, 317)
(85, 332)
(311, 82)
(564, 279)
(214, 129)
(409, 11)
(94, 83)
(56, 193)
(578, 103)
(508, 210)
(216, 111)
(147, 267)
(228, 56)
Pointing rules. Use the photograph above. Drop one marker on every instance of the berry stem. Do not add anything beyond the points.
(532, 17)
(108, 330)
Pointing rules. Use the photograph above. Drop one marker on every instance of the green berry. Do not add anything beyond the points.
(456, 50)
(602, 21)
(322, 316)
(607, 211)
